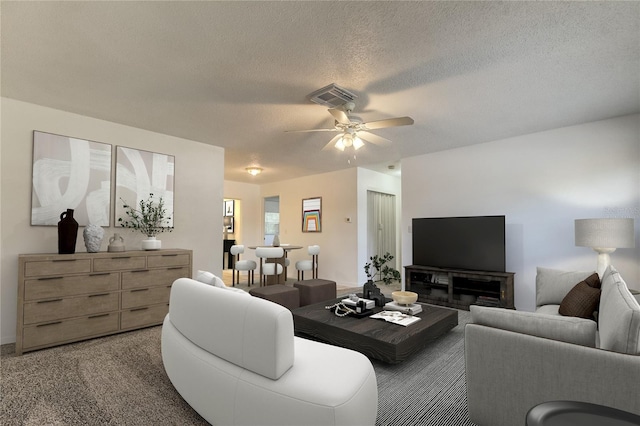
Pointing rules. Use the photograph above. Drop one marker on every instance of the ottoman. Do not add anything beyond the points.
(315, 291)
(289, 297)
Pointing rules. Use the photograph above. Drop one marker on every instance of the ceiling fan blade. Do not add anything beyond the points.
(332, 142)
(311, 130)
(390, 122)
(374, 139)
(339, 115)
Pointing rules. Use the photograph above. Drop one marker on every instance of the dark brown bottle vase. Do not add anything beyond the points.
(67, 233)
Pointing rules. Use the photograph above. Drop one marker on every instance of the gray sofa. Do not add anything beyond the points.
(517, 360)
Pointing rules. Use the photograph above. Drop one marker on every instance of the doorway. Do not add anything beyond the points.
(271, 219)
(381, 224)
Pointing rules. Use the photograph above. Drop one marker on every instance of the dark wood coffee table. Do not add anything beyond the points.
(375, 338)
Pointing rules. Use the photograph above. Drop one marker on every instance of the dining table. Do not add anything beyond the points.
(280, 278)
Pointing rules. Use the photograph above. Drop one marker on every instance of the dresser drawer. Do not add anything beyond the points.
(141, 317)
(68, 330)
(145, 296)
(119, 263)
(171, 259)
(56, 309)
(60, 286)
(56, 267)
(153, 277)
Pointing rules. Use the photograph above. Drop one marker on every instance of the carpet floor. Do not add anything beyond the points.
(120, 380)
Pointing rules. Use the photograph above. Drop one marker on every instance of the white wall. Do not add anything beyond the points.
(541, 182)
(198, 192)
(338, 239)
(343, 244)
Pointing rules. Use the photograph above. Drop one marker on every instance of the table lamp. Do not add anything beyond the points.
(604, 236)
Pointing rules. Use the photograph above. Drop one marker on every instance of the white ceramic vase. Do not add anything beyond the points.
(151, 244)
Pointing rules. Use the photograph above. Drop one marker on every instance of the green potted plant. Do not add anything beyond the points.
(150, 218)
(377, 269)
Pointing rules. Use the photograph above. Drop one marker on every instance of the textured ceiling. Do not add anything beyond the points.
(236, 74)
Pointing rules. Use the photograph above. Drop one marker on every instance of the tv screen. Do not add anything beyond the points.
(473, 243)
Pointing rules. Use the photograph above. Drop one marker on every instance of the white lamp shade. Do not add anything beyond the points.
(605, 233)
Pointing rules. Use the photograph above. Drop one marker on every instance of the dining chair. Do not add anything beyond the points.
(269, 268)
(242, 265)
(309, 265)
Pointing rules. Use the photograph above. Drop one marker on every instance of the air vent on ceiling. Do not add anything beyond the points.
(332, 96)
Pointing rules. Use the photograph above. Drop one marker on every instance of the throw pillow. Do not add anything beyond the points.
(209, 278)
(581, 301)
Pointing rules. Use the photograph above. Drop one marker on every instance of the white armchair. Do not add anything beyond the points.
(225, 352)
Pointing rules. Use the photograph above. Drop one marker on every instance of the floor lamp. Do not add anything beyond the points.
(604, 236)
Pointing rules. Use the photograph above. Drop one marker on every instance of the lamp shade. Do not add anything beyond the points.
(608, 232)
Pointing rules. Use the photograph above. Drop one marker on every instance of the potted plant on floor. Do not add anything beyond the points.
(377, 271)
(150, 218)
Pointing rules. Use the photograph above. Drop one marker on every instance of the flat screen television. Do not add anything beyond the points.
(472, 243)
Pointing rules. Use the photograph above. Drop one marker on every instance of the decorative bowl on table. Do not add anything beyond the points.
(404, 297)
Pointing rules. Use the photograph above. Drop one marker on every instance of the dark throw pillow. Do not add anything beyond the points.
(581, 301)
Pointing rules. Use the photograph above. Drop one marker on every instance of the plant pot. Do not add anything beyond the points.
(151, 244)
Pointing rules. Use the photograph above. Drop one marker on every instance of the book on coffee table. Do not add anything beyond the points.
(405, 309)
(396, 317)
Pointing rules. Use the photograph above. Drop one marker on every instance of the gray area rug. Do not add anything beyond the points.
(120, 380)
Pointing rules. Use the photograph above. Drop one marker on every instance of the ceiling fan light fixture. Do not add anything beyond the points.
(357, 143)
(340, 144)
(254, 171)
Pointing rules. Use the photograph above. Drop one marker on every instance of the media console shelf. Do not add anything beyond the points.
(460, 288)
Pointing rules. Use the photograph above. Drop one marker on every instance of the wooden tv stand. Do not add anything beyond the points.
(459, 288)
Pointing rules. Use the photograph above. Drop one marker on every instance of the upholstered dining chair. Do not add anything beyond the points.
(269, 268)
(309, 265)
(242, 265)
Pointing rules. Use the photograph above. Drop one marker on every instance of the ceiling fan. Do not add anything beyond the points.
(352, 130)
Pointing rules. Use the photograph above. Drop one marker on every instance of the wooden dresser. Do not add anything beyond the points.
(65, 298)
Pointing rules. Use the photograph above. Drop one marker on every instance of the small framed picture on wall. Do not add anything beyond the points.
(228, 207)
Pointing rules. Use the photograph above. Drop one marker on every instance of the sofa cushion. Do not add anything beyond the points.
(582, 300)
(567, 329)
(552, 285)
(618, 316)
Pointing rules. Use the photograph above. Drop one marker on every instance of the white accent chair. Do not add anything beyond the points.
(309, 265)
(269, 268)
(242, 265)
(236, 361)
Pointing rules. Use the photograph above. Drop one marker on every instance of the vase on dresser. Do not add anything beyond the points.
(67, 233)
(93, 235)
(116, 243)
(151, 243)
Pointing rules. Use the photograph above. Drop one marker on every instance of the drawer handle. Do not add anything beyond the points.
(174, 268)
(49, 278)
(99, 295)
(167, 255)
(49, 323)
(121, 257)
(49, 301)
(139, 289)
(97, 316)
(139, 309)
(64, 260)
(140, 270)
(97, 275)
